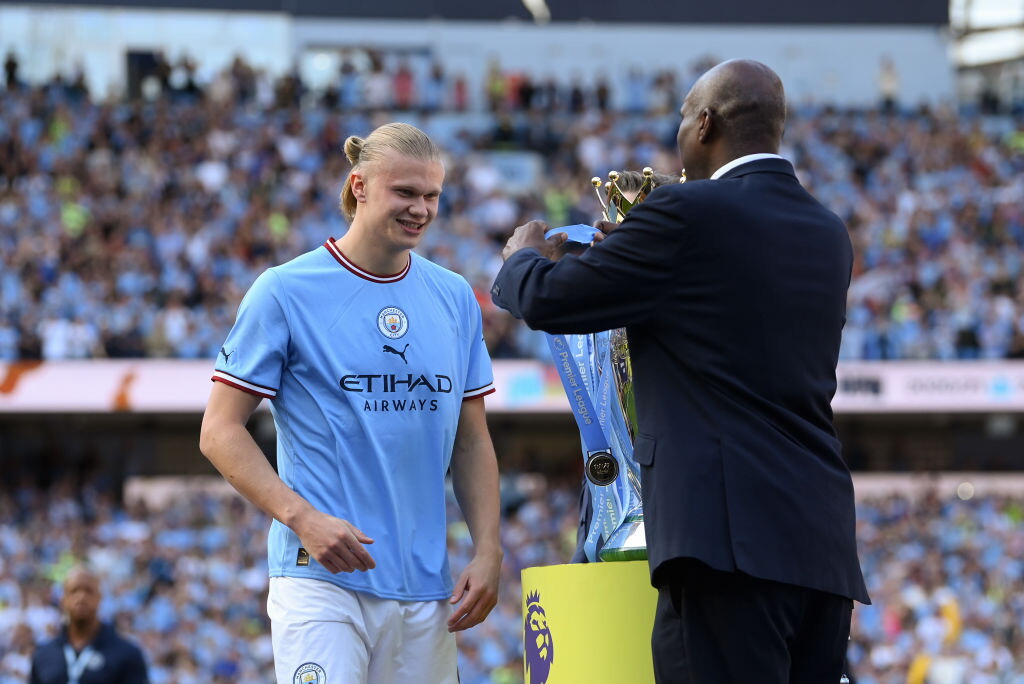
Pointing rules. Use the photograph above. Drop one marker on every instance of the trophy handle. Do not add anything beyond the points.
(622, 370)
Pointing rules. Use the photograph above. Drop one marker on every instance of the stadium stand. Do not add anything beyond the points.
(132, 229)
(945, 574)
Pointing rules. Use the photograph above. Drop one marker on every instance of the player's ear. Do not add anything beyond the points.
(358, 186)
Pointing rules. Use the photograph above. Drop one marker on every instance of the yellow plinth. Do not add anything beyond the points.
(588, 622)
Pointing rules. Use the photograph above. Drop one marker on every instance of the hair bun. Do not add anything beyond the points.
(353, 148)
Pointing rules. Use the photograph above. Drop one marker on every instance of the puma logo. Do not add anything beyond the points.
(227, 354)
(391, 350)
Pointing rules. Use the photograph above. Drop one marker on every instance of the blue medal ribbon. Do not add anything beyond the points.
(575, 383)
(585, 372)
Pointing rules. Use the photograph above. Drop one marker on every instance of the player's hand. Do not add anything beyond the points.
(531, 235)
(335, 543)
(476, 592)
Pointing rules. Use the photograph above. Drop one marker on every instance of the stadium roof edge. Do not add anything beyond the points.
(788, 12)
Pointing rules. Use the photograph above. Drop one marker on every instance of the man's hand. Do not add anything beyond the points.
(532, 235)
(477, 590)
(335, 543)
(606, 227)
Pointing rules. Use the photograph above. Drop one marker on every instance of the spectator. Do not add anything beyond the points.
(87, 651)
(190, 198)
(919, 554)
(11, 66)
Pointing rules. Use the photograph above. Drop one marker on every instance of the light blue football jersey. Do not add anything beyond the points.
(366, 375)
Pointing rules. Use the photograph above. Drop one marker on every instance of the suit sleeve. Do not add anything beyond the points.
(620, 281)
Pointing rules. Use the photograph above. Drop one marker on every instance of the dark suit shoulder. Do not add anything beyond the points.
(684, 204)
(747, 187)
(680, 190)
(674, 199)
(689, 192)
(48, 663)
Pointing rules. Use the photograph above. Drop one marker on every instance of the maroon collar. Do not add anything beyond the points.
(332, 247)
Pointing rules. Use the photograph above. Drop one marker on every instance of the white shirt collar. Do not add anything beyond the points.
(743, 160)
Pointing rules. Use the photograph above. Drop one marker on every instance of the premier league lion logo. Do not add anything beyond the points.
(540, 649)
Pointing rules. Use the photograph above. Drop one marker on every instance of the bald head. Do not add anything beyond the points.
(79, 574)
(739, 108)
(81, 595)
(748, 97)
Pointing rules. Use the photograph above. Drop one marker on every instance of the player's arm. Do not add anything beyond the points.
(474, 470)
(335, 543)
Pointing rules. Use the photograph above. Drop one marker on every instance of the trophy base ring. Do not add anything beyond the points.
(627, 543)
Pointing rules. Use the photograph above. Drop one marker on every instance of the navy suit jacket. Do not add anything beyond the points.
(114, 659)
(733, 294)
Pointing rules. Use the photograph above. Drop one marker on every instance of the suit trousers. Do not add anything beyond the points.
(713, 627)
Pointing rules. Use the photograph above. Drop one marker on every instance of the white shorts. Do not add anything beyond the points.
(324, 634)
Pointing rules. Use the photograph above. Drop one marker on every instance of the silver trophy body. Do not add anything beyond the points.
(628, 541)
(616, 530)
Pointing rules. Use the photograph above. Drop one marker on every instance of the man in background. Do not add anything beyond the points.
(87, 651)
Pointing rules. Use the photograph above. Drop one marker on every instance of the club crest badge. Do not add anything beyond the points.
(310, 673)
(392, 322)
(96, 662)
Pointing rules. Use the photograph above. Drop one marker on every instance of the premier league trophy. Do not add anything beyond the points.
(597, 377)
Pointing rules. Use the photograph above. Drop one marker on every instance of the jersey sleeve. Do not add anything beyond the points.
(254, 353)
(479, 374)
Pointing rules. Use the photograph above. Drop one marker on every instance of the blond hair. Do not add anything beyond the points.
(402, 138)
(632, 181)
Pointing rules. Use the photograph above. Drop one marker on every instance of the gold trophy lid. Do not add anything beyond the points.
(616, 201)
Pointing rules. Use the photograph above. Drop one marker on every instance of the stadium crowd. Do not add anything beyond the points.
(132, 228)
(188, 582)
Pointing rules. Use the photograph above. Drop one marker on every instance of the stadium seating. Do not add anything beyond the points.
(133, 229)
(188, 581)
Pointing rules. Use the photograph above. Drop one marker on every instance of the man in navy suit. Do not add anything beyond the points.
(732, 287)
